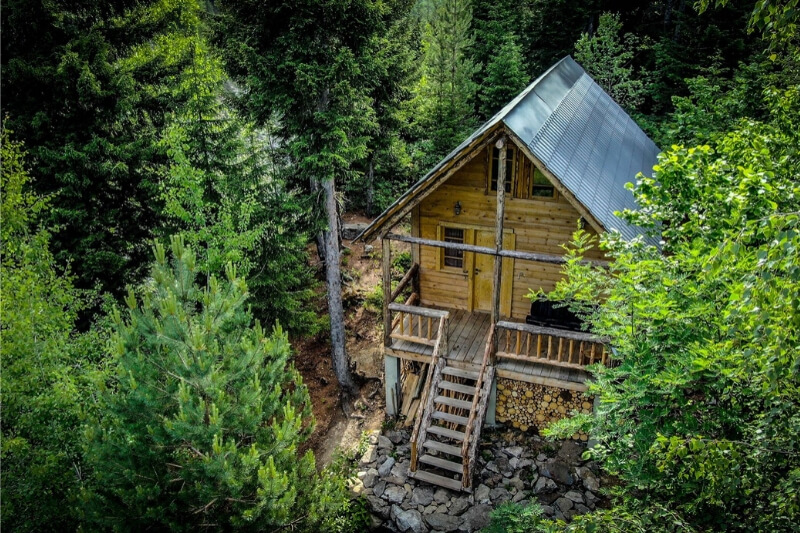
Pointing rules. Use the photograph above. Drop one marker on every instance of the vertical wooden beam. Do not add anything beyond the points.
(391, 378)
(498, 234)
(387, 290)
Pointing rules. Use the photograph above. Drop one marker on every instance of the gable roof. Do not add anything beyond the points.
(576, 131)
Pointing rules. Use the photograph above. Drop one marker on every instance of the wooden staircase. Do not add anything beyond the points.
(447, 431)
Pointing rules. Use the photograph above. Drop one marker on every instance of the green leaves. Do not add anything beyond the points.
(700, 416)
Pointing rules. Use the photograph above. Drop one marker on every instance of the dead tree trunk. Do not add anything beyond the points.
(370, 187)
(330, 237)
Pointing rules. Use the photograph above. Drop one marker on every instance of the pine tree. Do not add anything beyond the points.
(203, 420)
(505, 77)
(87, 86)
(222, 195)
(446, 91)
(608, 58)
(310, 62)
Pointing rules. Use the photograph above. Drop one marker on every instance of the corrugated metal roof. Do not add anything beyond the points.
(580, 134)
(591, 145)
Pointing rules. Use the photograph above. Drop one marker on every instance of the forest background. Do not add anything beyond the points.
(168, 163)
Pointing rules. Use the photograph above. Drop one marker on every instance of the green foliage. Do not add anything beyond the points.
(776, 19)
(47, 370)
(505, 77)
(607, 56)
(700, 418)
(88, 88)
(513, 518)
(446, 91)
(222, 197)
(201, 424)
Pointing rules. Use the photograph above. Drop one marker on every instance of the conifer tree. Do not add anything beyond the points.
(310, 62)
(87, 86)
(608, 56)
(505, 77)
(203, 419)
(222, 194)
(446, 91)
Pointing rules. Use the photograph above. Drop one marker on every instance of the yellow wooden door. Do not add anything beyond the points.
(483, 273)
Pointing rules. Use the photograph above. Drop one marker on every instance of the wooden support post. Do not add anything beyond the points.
(491, 410)
(498, 233)
(391, 378)
(387, 293)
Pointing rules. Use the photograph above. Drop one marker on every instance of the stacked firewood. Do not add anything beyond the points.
(527, 405)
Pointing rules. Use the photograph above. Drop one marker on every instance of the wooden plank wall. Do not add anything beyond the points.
(540, 225)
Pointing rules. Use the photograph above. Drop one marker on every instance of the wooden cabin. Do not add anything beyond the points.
(488, 224)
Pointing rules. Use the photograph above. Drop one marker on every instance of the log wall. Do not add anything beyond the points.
(539, 225)
(527, 405)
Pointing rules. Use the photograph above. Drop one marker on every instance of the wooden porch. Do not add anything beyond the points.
(411, 339)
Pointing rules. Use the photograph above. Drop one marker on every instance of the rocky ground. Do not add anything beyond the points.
(512, 466)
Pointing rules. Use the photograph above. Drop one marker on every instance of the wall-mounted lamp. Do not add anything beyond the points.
(457, 208)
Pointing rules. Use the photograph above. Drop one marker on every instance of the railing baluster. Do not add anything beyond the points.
(528, 347)
(560, 345)
(539, 345)
(591, 354)
(429, 328)
(549, 347)
(519, 339)
(571, 349)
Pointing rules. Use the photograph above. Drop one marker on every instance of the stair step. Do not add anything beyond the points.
(453, 371)
(447, 417)
(435, 479)
(452, 402)
(442, 463)
(464, 389)
(440, 447)
(444, 432)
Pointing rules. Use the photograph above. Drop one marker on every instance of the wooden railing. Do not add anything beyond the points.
(416, 324)
(425, 409)
(570, 349)
(476, 414)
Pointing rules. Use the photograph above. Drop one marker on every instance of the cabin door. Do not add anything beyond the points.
(483, 273)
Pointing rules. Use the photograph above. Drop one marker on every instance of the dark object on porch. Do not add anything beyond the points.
(548, 314)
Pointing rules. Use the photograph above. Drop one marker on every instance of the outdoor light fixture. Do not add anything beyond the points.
(457, 208)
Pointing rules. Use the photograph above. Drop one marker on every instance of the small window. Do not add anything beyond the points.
(453, 258)
(542, 188)
(509, 169)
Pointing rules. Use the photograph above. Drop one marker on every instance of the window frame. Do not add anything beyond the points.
(533, 185)
(443, 257)
(490, 175)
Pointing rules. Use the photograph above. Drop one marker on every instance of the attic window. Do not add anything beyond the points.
(510, 155)
(541, 186)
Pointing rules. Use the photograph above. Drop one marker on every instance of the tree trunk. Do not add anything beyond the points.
(319, 239)
(330, 237)
(370, 188)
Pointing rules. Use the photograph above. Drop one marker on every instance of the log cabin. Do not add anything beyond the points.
(488, 224)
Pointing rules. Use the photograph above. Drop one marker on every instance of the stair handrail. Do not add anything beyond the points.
(487, 355)
(433, 370)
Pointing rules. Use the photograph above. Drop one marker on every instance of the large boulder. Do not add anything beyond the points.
(394, 494)
(351, 230)
(443, 522)
(557, 471)
(410, 520)
(475, 519)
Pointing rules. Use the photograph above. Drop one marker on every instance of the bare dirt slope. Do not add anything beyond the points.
(334, 429)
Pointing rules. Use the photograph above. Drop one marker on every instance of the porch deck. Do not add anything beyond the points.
(468, 335)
